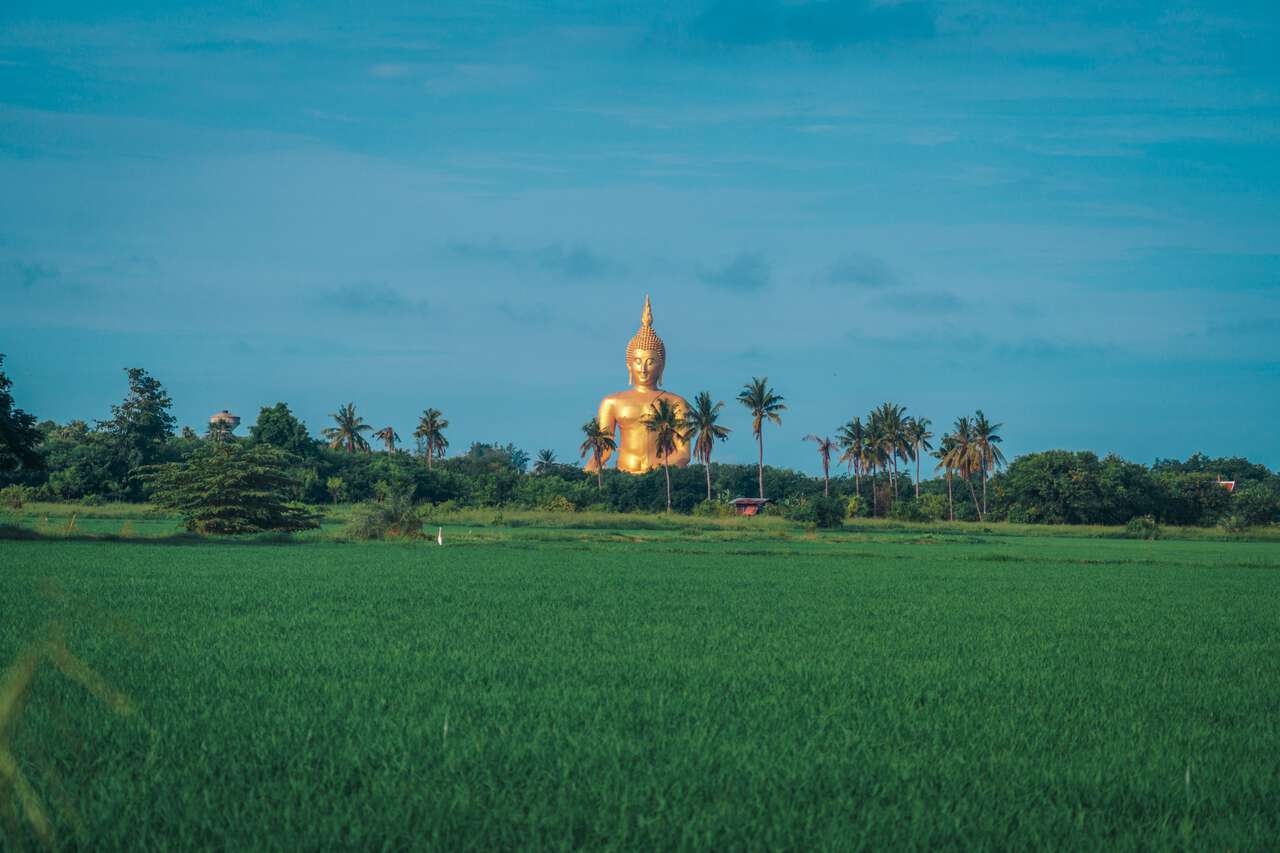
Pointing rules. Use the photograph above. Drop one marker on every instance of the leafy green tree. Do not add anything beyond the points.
(388, 436)
(278, 427)
(669, 429)
(348, 430)
(705, 430)
(1191, 498)
(1128, 491)
(962, 457)
(918, 436)
(138, 429)
(826, 446)
(19, 437)
(228, 488)
(1255, 504)
(334, 486)
(1053, 487)
(598, 442)
(764, 405)
(431, 427)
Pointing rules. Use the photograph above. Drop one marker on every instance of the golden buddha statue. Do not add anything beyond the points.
(626, 410)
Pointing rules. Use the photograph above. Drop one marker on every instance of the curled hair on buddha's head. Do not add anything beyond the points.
(647, 339)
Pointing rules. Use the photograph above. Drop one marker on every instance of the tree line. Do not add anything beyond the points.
(882, 464)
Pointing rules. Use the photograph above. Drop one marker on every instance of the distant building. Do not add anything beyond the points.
(1229, 485)
(224, 420)
(749, 506)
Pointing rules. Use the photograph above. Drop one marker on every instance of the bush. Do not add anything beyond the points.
(823, 512)
(14, 497)
(1254, 504)
(714, 509)
(394, 516)
(1142, 527)
(907, 510)
(932, 507)
(558, 503)
(1233, 523)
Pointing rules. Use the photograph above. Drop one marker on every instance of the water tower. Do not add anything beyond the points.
(223, 421)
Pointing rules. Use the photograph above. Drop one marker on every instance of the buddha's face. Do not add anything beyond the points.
(645, 368)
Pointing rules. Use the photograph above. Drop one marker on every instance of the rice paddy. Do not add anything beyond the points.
(691, 687)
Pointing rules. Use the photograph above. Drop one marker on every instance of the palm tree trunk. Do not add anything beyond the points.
(599, 473)
(826, 482)
(973, 494)
(708, 464)
(857, 480)
(917, 472)
(951, 505)
(984, 486)
(760, 439)
(874, 508)
(666, 472)
(431, 451)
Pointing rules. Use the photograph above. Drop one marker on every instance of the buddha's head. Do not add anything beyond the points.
(646, 354)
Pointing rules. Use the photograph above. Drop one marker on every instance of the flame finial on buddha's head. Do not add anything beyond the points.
(647, 339)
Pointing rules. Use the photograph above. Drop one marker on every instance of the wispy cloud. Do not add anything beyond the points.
(863, 272)
(748, 272)
(576, 262)
(373, 299)
(822, 25)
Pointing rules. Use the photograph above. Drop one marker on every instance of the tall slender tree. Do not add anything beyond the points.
(669, 429)
(986, 446)
(19, 437)
(347, 431)
(893, 438)
(918, 435)
(945, 458)
(388, 436)
(852, 439)
(963, 457)
(431, 427)
(705, 430)
(598, 442)
(825, 448)
(764, 405)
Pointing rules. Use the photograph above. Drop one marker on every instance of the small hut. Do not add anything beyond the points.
(749, 506)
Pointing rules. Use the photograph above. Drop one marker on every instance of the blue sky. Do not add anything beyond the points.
(1067, 214)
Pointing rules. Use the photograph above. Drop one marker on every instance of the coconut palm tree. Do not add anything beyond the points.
(918, 436)
(893, 437)
(388, 436)
(986, 441)
(764, 404)
(945, 458)
(825, 448)
(964, 457)
(348, 430)
(597, 443)
(546, 458)
(852, 438)
(705, 431)
(669, 429)
(431, 427)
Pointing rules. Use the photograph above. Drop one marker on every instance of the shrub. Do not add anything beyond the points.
(1233, 523)
(14, 497)
(852, 507)
(558, 503)
(932, 507)
(713, 509)
(394, 516)
(821, 512)
(1142, 527)
(1254, 504)
(907, 510)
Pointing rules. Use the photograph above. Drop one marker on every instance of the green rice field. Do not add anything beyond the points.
(719, 687)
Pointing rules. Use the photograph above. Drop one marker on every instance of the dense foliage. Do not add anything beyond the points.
(882, 458)
(224, 487)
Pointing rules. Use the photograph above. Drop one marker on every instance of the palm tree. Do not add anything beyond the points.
(963, 457)
(704, 431)
(852, 437)
(893, 437)
(985, 440)
(918, 435)
(388, 436)
(878, 442)
(597, 443)
(945, 459)
(670, 429)
(825, 447)
(348, 429)
(757, 396)
(431, 427)
(546, 458)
